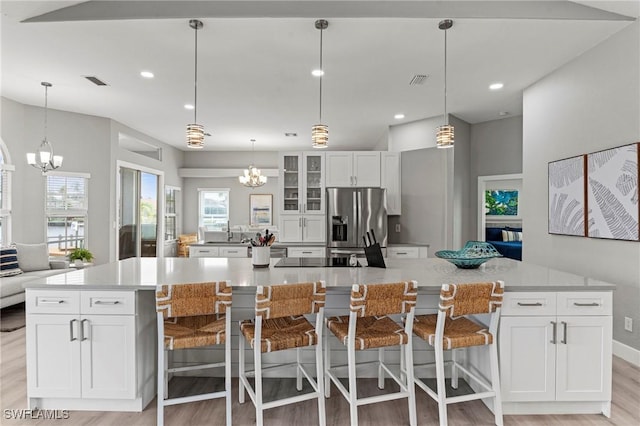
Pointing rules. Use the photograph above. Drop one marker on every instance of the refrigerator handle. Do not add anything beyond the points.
(360, 230)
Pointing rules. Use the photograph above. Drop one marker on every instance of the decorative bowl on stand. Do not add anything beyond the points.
(471, 256)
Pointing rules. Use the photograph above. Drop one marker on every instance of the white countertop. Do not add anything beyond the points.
(146, 273)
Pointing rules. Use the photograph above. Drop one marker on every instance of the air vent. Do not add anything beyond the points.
(291, 134)
(95, 80)
(418, 79)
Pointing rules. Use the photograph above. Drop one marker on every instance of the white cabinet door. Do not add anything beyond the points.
(53, 356)
(290, 230)
(203, 251)
(527, 358)
(313, 229)
(339, 169)
(366, 169)
(313, 180)
(390, 180)
(584, 358)
(235, 251)
(108, 351)
(306, 252)
(290, 183)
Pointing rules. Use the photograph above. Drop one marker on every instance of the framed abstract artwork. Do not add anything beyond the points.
(567, 196)
(261, 209)
(612, 193)
(501, 203)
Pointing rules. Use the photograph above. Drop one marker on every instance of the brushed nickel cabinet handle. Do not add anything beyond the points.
(71, 336)
(564, 332)
(51, 302)
(555, 330)
(586, 304)
(83, 337)
(105, 302)
(529, 304)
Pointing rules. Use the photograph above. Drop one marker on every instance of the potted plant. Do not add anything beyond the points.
(80, 255)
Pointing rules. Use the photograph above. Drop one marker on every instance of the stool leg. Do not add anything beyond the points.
(454, 369)
(320, 383)
(257, 355)
(380, 369)
(353, 392)
(241, 373)
(403, 367)
(227, 367)
(327, 364)
(298, 370)
(495, 383)
(161, 383)
(442, 392)
(408, 350)
(167, 355)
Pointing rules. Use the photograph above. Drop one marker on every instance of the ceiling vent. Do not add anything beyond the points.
(95, 80)
(418, 79)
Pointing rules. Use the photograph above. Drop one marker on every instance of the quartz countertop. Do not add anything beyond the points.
(146, 273)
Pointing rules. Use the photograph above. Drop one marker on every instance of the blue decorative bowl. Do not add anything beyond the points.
(471, 256)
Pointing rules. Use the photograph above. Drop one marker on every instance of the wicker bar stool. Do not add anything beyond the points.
(369, 327)
(191, 316)
(449, 329)
(280, 324)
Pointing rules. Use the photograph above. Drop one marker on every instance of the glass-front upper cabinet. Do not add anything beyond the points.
(302, 183)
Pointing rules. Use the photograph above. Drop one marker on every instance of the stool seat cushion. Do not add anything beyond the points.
(195, 331)
(281, 333)
(371, 332)
(458, 333)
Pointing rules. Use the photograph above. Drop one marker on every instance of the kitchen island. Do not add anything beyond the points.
(91, 332)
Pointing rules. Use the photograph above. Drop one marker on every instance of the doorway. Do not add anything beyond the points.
(138, 221)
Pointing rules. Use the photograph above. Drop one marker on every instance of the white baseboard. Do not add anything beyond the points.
(627, 353)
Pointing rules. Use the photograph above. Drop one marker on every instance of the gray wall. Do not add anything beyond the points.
(496, 149)
(89, 145)
(463, 194)
(590, 104)
(239, 194)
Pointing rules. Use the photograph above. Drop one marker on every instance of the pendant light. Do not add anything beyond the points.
(195, 131)
(320, 132)
(445, 134)
(44, 159)
(252, 177)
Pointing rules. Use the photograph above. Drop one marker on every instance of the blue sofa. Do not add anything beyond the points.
(510, 249)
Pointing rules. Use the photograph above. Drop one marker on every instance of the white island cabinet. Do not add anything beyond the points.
(555, 349)
(90, 349)
(554, 340)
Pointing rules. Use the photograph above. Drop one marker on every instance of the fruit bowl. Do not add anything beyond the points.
(471, 256)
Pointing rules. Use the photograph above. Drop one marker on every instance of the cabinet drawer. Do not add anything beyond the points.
(528, 304)
(403, 252)
(240, 251)
(203, 251)
(306, 252)
(585, 303)
(52, 302)
(108, 302)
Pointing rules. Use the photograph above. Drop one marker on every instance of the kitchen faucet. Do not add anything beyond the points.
(229, 234)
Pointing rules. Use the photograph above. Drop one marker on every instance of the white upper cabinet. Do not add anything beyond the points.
(353, 169)
(302, 183)
(391, 181)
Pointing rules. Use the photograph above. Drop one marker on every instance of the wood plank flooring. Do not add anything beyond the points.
(625, 409)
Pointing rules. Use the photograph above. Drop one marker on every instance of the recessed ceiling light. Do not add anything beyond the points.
(317, 73)
(398, 116)
(291, 134)
(146, 74)
(496, 86)
(188, 106)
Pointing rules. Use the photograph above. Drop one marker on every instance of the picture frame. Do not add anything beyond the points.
(502, 204)
(567, 196)
(261, 209)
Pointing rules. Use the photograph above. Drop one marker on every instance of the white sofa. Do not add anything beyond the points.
(33, 260)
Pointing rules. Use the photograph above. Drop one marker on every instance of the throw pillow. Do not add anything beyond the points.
(511, 236)
(9, 262)
(33, 257)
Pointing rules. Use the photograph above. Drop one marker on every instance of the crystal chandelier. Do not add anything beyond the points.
(252, 177)
(195, 132)
(320, 132)
(445, 133)
(44, 158)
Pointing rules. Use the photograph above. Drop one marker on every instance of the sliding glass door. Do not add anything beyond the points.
(138, 221)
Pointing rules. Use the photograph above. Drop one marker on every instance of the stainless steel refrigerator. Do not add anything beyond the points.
(351, 213)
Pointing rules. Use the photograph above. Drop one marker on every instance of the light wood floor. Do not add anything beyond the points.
(625, 410)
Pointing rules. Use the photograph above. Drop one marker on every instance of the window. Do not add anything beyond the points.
(5, 201)
(170, 213)
(66, 210)
(213, 208)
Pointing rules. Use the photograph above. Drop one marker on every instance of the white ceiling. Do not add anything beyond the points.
(255, 61)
